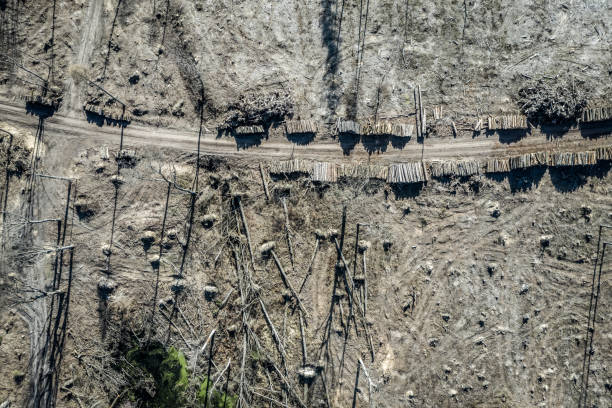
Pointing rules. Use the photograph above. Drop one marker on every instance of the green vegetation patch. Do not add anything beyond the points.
(168, 369)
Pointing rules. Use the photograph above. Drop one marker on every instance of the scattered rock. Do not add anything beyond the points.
(433, 342)
(446, 317)
(524, 289)
(525, 319)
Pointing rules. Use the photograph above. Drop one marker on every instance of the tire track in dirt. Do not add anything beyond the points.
(90, 27)
(184, 139)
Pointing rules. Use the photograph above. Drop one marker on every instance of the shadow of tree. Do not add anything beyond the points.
(374, 143)
(567, 179)
(301, 139)
(403, 191)
(348, 141)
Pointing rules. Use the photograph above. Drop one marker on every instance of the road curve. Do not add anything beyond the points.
(279, 148)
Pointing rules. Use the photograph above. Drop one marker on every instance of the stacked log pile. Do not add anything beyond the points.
(418, 172)
(51, 102)
(574, 158)
(407, 173)
(249, 130)
(403, 130)
(348, 127)
(290, 166)
(293, 127)
(528, 160)
(110, 113)
(507, 122)
(604, 153)
(597, 114)
(387, 129)
(363, 171)
(324, 172)
(498, 165)
(460, 168)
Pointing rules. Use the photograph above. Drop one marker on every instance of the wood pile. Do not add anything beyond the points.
(249, 130)
(498, 165)
(528, 160)
(290, 166)
(507, 122)
(324, 172)
(403, 130)
(460, 168)
(407, 173)
(363, 171)
(597, 114)
(52, 103)
(574, 159)
(293, 127)
(348, 127)
(387, 129)
(604, 153)
(110, 113)
(437, 112)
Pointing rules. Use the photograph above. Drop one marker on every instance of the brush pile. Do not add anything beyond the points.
(559, 99)
(258, 109)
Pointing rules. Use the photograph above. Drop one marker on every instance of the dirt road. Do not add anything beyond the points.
(90, 134)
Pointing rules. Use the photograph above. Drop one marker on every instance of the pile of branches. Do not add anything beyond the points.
(559, 99)
(16, 162)
(258, 109)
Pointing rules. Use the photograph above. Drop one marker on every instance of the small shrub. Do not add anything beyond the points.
(217, 399)
(169, 371)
